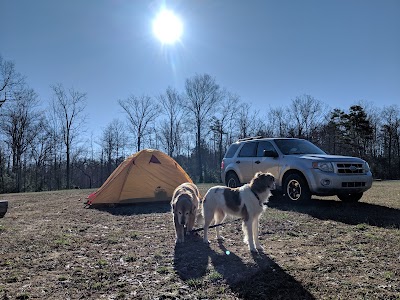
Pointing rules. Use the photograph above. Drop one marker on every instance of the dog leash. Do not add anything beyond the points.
(228, 222)
(216, 225)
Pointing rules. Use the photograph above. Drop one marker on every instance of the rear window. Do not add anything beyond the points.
(232, 150)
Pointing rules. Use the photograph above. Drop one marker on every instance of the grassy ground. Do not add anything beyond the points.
(53, 248)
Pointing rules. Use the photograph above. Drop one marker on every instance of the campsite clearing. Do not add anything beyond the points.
(53, 248)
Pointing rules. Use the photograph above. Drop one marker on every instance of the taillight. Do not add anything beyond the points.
(222, 165)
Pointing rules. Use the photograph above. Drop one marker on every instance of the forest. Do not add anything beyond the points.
(45, 145)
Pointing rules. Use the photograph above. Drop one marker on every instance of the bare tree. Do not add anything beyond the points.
(244, 120)
(141, 111)
(390, 133)
(375, 119)
(203, 95)
(68, 107)
(20, 125)
(40, 152)
(10, 80)
(222, 124)
(113, 142)
(171, 103)
(307, 114)
(3, 165)
(55, 133)
(278, 120)
(121, 140)
(108, 144)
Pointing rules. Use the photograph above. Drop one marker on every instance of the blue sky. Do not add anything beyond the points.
(267, 52)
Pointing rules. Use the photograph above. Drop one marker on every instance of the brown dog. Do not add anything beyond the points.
(185, 203)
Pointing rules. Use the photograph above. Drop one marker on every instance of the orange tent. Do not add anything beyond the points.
(146, 176)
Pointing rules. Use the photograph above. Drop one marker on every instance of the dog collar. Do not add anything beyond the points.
(258, 198)
(255, 194)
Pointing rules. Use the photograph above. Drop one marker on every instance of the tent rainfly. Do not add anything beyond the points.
(146, 176)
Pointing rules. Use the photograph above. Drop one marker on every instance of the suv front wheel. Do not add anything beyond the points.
(232, 180)
(296, 188)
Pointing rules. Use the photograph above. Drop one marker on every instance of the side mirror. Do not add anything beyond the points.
(270, 153)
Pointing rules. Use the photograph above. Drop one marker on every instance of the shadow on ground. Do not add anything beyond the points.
(348, 213)
(134, 209)
(263, 279)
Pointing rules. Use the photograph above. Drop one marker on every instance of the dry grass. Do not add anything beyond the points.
(53, 248)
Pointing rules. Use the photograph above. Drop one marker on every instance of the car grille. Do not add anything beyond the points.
(349, 168)
(353, 184)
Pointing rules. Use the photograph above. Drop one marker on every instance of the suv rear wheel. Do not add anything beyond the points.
(296, 188)
(232, 180)
(350, 197)
(3, 207)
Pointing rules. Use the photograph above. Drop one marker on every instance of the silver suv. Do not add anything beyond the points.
(301, 169)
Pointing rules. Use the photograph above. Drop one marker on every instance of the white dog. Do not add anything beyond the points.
(245, 202)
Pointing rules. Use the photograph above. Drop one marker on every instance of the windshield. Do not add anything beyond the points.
(295, 146)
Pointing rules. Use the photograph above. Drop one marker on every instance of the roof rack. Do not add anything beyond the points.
(250, 138)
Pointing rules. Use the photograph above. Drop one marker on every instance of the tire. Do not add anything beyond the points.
(296, 189)
(350, 197)
(232, 180)
(3, 207)
(276, 195)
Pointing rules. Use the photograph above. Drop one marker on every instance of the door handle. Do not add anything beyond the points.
(257, 162)
(238, 161)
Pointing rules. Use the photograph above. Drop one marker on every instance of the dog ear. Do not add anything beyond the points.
(270, 177)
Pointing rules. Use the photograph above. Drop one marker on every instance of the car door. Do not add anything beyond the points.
(266, 164)
(245, 161)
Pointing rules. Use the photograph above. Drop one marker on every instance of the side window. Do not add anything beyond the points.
(232, 150)
(264, 146)
(248, 150)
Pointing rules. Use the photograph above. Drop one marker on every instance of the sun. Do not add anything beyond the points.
(167, 27)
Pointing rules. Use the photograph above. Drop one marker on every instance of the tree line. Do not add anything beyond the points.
(44, 145)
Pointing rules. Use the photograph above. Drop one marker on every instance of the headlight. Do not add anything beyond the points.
(323, 166)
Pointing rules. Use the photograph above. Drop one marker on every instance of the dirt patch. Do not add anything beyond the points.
(53, 248)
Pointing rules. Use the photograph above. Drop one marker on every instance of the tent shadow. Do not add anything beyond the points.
(134, 208)
(348, 213)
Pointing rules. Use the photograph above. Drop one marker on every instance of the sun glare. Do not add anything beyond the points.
(167, 27)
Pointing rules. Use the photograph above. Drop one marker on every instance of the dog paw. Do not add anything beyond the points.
(260, 248)
(253, 248)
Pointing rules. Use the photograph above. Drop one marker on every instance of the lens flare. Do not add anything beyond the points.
(167, 27)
